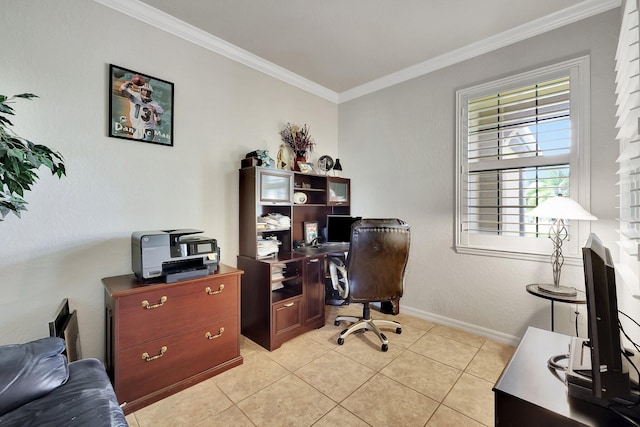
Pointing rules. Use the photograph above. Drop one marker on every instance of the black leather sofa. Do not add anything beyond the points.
(39, 388)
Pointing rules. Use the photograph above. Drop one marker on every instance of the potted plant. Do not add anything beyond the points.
(299, 140)
(19, 160)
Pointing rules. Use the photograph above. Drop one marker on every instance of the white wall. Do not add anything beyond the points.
(398, 146)
(77, 230)
(398, 143)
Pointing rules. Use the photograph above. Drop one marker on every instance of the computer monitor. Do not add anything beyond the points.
(605, 379)
(339, 228)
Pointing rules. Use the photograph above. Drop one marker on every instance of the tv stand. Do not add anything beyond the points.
(528, 394)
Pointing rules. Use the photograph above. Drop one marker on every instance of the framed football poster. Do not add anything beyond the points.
(140, 107)
(310, 231)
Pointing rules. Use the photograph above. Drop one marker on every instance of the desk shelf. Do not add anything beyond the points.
(264, 191)
(276, 309)
(270, 317)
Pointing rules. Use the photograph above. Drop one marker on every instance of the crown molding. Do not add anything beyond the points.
(165, 22)
(530, 29)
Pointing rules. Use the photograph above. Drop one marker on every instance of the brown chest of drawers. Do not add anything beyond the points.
(162, 338)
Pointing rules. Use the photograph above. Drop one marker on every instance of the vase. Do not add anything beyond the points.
(299, 158)
(286, 158)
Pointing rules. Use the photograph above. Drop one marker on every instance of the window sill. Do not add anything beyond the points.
(568, 259)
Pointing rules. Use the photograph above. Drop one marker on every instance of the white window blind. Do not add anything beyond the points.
(517, 146)
(628, 116)
(519, 143)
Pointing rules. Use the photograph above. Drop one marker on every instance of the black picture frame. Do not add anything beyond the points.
(73, 350)
(310, 231)
(137, 118)
(60, 319)
(64, 324)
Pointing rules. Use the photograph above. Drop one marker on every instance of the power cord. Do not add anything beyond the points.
(636, 346)
(621, 415)
(554, 366)
(627, 355)
(625, 352)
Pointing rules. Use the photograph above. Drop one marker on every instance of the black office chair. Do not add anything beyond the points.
(375, 266)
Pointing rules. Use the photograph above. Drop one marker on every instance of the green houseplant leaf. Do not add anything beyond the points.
(19, 161)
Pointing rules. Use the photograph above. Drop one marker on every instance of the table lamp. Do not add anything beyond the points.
(559, 208)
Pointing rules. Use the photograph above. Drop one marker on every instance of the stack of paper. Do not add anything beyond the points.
(273, 221)
(277, 271)
(277, 275)
(267, 247)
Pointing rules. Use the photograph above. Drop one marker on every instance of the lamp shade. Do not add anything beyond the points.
(561, 207)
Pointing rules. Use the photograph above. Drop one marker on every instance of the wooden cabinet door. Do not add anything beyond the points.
(286, 321)
(275, 187)
(314, 292)
(338, 191)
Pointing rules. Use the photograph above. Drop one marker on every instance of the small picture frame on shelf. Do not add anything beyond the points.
(305, 167)
(310, 231)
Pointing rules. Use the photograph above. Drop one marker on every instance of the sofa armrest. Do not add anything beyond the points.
(29, 371)
(86, 399)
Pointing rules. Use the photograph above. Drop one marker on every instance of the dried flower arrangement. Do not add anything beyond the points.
(298, 139)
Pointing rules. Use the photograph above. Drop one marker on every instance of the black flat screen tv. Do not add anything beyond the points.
(609, 375)
(339, 228)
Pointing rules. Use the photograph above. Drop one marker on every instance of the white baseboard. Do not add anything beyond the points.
(468, 327)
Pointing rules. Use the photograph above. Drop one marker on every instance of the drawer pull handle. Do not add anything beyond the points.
(213, 337)
(210, 292)
(289, 304)
(148, 358)
(148, 306)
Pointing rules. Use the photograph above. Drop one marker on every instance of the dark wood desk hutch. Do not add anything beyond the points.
(283, 293)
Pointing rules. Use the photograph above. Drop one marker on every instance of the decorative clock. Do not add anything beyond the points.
(325, 163)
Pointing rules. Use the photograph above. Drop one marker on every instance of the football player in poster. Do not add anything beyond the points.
(145, 113)
(140, 107)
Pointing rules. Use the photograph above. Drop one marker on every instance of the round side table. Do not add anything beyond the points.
(579, 298)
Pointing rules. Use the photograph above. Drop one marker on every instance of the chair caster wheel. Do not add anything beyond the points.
(336, 322)
(340, 341)
(385, 347)
(398, 330)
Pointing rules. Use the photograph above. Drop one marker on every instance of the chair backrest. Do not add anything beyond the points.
(377, 259)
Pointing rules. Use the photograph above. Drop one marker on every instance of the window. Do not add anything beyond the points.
(520, 141)
(628, 138)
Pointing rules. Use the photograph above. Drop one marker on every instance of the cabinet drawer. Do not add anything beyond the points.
(157, 364)
(287, 316)
(160, 312)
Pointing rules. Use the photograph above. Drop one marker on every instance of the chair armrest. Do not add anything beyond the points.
(29, 371)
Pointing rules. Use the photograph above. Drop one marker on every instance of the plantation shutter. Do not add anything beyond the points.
(628, 116)
(518, 155)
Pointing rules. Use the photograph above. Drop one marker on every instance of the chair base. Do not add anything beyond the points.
(366, 323)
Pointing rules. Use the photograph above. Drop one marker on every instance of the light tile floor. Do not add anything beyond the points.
(432, 376)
